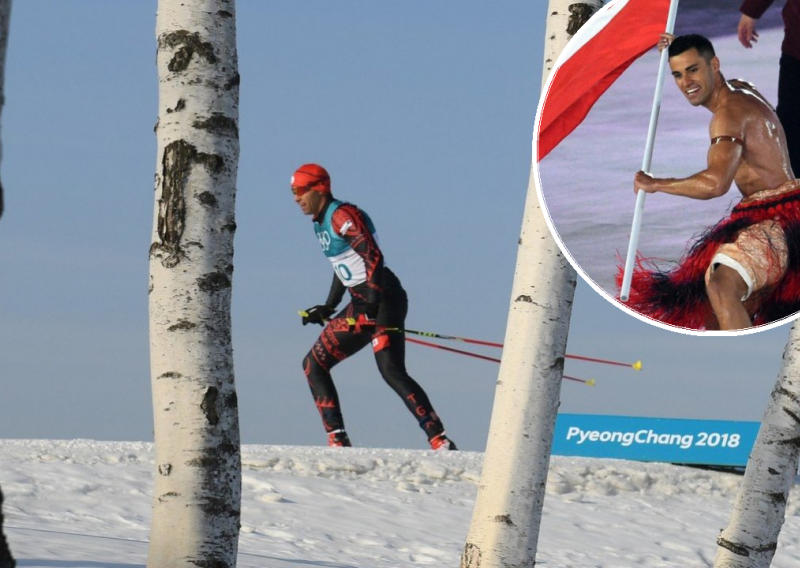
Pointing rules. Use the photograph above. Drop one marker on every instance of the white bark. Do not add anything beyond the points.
(505, 522)
(5, 17)
(751, 538)
(197, 495)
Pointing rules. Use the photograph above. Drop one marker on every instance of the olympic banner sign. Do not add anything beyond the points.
(669, 440)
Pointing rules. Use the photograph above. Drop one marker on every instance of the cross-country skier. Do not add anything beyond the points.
(375, 314)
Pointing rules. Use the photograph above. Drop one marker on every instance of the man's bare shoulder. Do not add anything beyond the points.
(746, 94)
(730, 118)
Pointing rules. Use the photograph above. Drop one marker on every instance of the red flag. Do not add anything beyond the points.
(601, 50)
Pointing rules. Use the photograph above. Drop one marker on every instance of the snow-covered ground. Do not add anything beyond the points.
(81, 503)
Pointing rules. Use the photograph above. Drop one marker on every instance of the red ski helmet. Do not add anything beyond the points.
(311, 176)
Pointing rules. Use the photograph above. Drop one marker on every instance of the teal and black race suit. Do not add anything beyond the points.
(349, 240)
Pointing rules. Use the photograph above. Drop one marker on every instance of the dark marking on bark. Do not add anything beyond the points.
(777, 498)
(737, 549)
(170, 375)
(232, 82)
(213, 162)
(178, 107)
(524, 298)
(505, 519)
(218, 507)
(182, 325)
(471, 558)
(230, 227)
(168, 495)
(219, 124)
(224, 14)
(742, 550)
(232, 400)
(782, 392)
(209, 406)
(188, 44)
(212, 458)
(207, 198)
(795, 442)
(792, 414)
(197, 245)
(579, 14)
(177, 161)
(773, 471)
(214, 282)
(176, 164)
(165, 469)
(558, 363)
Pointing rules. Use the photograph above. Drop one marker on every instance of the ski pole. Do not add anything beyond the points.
(637, 366)
(588, 382)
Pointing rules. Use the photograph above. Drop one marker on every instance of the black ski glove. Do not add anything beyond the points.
(318, 314)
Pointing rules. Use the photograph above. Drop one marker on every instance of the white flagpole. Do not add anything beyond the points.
(648, 157)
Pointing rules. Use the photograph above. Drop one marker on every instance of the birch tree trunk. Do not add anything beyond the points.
(197, 496)
(506, 518)
(5, 17)
(6, 560)
(751, 538)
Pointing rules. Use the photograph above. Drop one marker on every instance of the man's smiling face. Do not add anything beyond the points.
(694, 75)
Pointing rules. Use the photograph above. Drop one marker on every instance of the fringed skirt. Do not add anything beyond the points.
(678, 296)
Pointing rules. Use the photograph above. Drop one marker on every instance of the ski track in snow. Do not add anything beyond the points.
(81, 503)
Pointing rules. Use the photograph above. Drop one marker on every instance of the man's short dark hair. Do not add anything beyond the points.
(687, 42)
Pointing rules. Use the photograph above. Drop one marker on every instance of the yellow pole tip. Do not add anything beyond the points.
(302, 313)
(637, 366)
(590, 382)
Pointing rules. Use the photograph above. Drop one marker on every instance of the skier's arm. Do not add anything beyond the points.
(336, 293)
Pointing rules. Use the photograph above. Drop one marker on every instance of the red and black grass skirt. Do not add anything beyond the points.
(678, 296)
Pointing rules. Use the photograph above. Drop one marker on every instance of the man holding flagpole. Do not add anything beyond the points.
(745, 270)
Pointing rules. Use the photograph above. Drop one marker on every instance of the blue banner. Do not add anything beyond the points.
(670, 440)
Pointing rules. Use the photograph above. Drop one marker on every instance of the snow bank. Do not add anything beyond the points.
(82, 503)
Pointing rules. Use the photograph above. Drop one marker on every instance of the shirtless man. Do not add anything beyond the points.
(748, 147)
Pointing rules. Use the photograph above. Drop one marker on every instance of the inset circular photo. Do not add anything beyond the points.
(666, 155)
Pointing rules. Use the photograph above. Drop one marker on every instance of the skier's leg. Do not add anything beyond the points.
(390, 350)
(336, 342)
